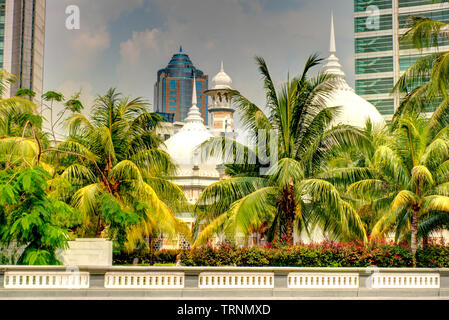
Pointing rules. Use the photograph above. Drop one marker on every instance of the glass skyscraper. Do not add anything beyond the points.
(380, 57)
(173, 88)
(2, 30)
(22, 38)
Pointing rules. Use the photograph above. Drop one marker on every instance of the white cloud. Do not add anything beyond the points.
(209, 30)
(87, 47)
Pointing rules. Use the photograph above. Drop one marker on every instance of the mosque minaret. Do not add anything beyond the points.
(221, 111)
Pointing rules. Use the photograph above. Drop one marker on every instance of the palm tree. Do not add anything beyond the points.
(426, 81)
(116, 170)
(52, 97)
(20, 127)
(290, 191)
(409, 180)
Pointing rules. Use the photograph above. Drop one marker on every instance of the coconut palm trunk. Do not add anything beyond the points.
(151, 250)
(100, 227)
(288, 206)
(414, 236)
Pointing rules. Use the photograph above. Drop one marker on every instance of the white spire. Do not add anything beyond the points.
(221, 67)
(194, 96)
(333, 65)
(194, 115)
(333, 47)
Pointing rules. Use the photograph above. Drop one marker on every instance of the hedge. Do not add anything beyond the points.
(322, 255)
(318, 255)
(161, 256)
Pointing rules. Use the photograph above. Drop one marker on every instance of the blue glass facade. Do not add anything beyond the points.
(2, 30)
(381, 56)
(173, 89)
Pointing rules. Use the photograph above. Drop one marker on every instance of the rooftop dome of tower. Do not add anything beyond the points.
(222, 80)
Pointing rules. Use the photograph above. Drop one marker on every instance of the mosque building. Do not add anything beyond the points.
(196, 172)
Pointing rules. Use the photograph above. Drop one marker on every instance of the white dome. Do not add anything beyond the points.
(354, 110)
(222, 80)
(184, 146)
(184, 143)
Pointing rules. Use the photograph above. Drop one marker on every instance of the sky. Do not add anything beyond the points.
(123, 43)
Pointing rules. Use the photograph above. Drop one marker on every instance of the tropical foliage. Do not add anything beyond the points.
(290, 193)
(408, 180)
(109, 176)
(29, 218)
(425, 83)
(117, 173)
(110, 171)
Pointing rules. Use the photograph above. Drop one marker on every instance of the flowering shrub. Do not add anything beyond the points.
(325, 254)
(316, 255)
(161, 256)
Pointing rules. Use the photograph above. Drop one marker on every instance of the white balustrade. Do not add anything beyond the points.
(144, 280)
(323, 280)
(46, 280)
(404, 281)
(234, 280)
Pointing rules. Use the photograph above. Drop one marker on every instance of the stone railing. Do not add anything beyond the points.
(309, 280)
(242, 280)
(46, 280)
(147, 280)
(192, 282)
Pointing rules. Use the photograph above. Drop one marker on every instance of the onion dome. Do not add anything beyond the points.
(222, 80)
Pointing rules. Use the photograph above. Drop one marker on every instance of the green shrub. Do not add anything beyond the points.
(161, 256)
(316, 255)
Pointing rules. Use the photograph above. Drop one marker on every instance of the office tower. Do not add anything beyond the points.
(380, 57)
(173, 88)
(22, 38)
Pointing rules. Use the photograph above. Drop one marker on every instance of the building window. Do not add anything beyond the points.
(173, 103)
(173, 93)
(173, 84)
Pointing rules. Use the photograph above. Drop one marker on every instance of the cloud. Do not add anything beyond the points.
(78, 52)
(124, 43)
(148, 41)
(230, 30)
(87, 47)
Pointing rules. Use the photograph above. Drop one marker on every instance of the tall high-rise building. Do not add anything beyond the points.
(380, 55)
(22, 38)
(173, 88)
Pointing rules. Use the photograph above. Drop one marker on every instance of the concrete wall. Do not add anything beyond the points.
(87, 252)
(81, 252)
(280, 289)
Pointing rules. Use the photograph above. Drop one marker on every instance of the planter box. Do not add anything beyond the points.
(87, 252)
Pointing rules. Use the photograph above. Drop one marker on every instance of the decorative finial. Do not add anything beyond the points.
(194, 115)
(333, 65)
(194, 96)
(333, 47)
(180, 48)
(221, 68)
